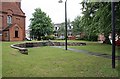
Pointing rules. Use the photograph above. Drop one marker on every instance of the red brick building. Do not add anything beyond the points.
(12, 22)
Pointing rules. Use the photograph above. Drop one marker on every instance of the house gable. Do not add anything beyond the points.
(14, 7)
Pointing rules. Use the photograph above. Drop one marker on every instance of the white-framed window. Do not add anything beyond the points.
(55, 28)
(9, 19)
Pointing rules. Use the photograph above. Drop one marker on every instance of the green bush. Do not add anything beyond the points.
(91, 38)
(49, 37)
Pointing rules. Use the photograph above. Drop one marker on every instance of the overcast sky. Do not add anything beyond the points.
(54, 9)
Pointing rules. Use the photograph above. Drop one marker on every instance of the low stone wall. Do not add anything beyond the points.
(38, 44)
(23, 46)
(21, 49)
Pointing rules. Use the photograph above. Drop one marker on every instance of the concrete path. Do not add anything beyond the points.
(90, 53)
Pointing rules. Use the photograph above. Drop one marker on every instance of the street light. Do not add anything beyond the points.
(60, 1)
(113, 33)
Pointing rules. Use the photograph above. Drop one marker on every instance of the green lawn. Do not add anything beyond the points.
(93, 47)
(64, 41)
(54, 62)
(82, 41)
(97, 48)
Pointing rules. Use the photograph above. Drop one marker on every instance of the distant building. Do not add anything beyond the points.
(12, 20)
(59, 30)
(56, 29)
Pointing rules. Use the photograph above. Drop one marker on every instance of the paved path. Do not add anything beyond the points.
(90, 53)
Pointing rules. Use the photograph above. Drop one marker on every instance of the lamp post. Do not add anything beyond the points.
(60, 1)
(113, 33)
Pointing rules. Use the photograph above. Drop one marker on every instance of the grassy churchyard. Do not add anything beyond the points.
(55, 62)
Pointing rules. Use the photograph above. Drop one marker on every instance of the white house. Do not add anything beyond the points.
(59, 26)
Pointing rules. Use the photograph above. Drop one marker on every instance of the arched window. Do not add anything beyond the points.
(16, 32)
(9, 20)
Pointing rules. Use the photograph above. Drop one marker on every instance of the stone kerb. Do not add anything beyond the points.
(23, 46)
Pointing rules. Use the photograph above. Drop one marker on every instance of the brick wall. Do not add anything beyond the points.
(0, 37)
(18, 20)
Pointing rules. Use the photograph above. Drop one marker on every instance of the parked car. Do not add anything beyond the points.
(28, 39)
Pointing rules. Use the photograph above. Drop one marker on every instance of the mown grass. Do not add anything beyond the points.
(97, 48)
(54, 62)
(82, 41)
(63, 41)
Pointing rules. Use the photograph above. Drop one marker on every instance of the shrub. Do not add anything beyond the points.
(93, 38)
(48, 37)
(90, 38)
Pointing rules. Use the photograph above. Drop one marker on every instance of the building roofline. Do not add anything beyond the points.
(12, 14)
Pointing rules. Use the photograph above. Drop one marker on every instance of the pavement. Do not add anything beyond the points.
(89, 53)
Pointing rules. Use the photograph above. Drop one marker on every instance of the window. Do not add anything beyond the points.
(56, 34)
(70, 27)
(55, 28)
(9, 20)
(16, 32)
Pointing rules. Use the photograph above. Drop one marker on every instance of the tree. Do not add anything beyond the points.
(41, 24)
(97, 18)
(77, 28)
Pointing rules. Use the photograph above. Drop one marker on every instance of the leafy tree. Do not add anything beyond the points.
(97, 18)
(40, 24)
(77, 28)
